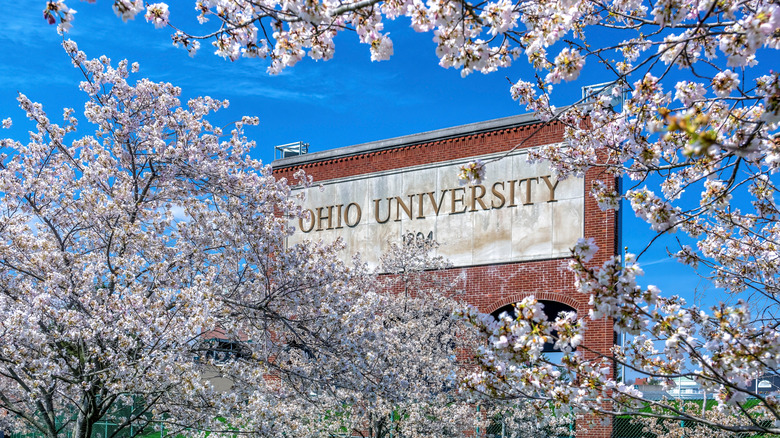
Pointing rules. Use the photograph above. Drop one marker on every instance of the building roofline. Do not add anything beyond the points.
(407, 140)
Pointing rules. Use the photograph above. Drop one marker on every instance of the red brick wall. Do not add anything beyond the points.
(430, 152)
(491, 287)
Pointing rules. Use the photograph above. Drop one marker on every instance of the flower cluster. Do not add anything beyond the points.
(157, 13)
(57, 12)
(472, 173)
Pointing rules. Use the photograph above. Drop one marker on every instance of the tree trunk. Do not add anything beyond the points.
(88, 415)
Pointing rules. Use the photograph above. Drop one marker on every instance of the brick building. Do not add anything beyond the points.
(507, 238)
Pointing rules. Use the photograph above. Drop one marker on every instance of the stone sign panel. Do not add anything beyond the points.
(519, 212)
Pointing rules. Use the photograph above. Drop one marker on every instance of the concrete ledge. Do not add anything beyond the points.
(406, 140)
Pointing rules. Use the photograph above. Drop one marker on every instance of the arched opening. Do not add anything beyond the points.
(551, 310)
(564, 424)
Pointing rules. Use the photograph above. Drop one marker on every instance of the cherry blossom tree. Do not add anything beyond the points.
(393, 362)
(687, 118)
(120, 247)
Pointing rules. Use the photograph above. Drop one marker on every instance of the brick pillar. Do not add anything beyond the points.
(599, 337)
(590, 426)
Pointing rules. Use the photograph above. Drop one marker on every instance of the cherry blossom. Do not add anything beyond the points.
(158, 14)
(472, 173)
(724, 83)
(58, 12)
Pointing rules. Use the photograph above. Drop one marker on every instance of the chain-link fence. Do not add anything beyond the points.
(104, 429)
(629, 427)
(635, 427)
(109, 427)
(648, 427)
(557, 426)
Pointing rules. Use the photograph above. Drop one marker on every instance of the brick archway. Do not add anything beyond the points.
(578, 305)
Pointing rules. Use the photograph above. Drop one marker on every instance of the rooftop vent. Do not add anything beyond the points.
(592, 92)
(290, 150)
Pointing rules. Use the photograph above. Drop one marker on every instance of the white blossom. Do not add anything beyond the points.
(158, 14)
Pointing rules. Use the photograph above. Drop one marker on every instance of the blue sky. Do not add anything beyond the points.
(345, 101)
